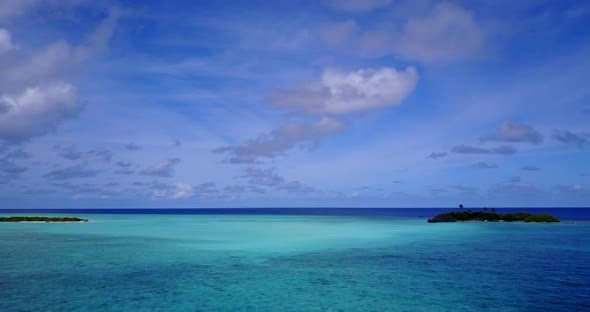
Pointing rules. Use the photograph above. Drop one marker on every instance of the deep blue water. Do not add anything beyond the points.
(293, 260)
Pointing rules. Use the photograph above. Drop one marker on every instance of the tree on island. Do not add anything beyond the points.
(461, 207)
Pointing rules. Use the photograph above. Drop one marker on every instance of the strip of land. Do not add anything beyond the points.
(492, 217)
(41, 219)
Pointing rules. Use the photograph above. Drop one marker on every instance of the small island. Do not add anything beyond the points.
(41, 219)
(491, 216)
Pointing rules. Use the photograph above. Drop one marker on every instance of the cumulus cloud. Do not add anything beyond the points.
(484, 165)
(164, 168)
(568, 137)
(77, 171)
(280, 140)
(338, 92)
(530, 168)
(36, 111)
(514, 132)
(5, 41)
(357, 6)
(468, 149)
(437, 155)
(34, 98)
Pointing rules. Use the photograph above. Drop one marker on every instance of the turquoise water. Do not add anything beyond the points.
(292, 263)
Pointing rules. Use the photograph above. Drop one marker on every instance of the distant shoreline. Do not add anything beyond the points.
(484, 216)
(37, 219)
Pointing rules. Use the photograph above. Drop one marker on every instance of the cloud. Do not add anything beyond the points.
(182, 190)
(565, 136)
(70, 152)
(10, 8)
(530, 168)
(269, 178)
(466, 189)
(448, 33)
(99, 40)
(514, 188)
(484, 165)
(468, 149)
(125, 168)
(437, 155)
(34, 98)
(514, 132)
(17, 153)
(36, 111)
(132, 146)
(9, 170)
(104, 154)
(43, 67)
(280, 140)
(515, 179)
(124, 164)
(5, 41)
(124, 171)
(573, 189)
(357, 6)
(164, 168)
(337, 34)
(338, 92)
(296, 187)
(77, 171)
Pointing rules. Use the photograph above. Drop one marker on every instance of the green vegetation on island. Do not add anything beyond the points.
(41, 219)
(491, 216)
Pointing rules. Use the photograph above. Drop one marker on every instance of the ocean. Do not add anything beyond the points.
(293, 259)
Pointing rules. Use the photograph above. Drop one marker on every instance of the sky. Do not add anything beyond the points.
(327, 103)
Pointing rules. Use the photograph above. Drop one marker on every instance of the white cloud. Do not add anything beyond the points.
(182, 190)
(282, 139)
(357, 6)
(36, 111)
(33, 98)
(340, 92)
(5, 41)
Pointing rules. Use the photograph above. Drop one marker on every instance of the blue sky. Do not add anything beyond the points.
(337, 103)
